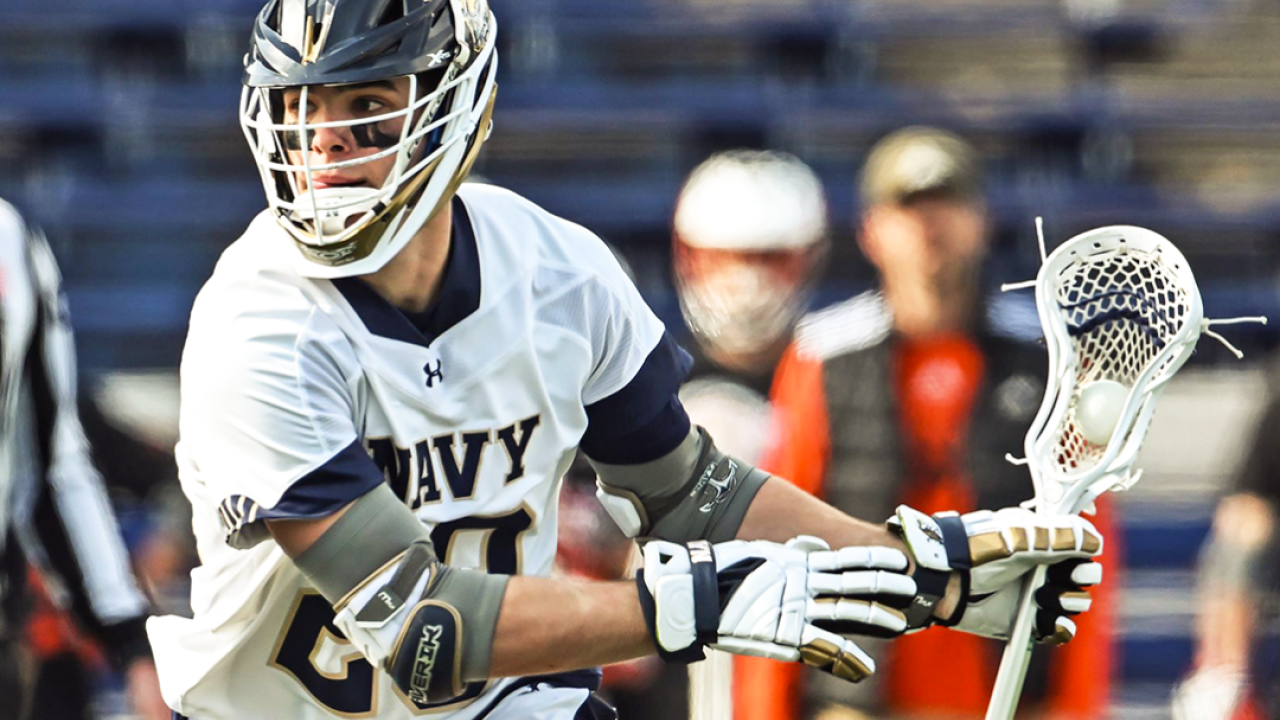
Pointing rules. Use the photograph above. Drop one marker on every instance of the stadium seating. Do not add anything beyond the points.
(118, 131)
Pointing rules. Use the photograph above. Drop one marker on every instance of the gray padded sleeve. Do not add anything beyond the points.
(478, 598)
(694, 492)
(375, 531)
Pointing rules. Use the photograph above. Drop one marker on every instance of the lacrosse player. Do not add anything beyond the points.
(914, 393)
(384, 380)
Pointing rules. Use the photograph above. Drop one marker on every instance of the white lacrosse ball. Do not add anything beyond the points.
(1098, 409)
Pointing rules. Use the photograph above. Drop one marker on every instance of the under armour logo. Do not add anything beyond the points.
(433, 375)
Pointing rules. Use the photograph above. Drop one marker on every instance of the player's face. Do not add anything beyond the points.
(933, 241)
(341, 144)
(743, 300)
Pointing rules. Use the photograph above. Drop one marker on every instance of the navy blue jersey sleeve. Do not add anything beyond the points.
(644, 420)
(341, 480)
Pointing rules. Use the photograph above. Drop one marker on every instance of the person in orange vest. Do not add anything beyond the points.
(913, 393)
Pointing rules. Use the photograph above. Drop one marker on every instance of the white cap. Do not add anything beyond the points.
(751, 200)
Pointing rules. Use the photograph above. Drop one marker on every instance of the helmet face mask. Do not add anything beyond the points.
(398, 160)
(743, 302)
(749, 233)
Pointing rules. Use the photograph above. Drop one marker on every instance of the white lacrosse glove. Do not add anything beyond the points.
(787, 602)
(993, 551)
(1211, 693)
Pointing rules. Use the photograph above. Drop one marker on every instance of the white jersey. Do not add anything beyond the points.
(290, 386)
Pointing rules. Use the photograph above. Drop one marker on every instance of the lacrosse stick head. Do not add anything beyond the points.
(1117, 304)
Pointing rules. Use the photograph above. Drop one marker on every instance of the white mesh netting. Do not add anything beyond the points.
(1121, 308)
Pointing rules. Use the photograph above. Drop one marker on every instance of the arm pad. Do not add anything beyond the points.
(428, 625)
(694, 492)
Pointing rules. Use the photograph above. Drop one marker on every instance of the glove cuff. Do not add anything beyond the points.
(939, 544)
(705, 621)
(685, 656)
(955, 537)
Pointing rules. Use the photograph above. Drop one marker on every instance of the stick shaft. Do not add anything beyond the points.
(1017, 653)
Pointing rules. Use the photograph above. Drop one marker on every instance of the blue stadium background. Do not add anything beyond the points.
(118, 134)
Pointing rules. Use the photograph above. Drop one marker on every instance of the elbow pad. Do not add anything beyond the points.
(429, 626)
(694, 492)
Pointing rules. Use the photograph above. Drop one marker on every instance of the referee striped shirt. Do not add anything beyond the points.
(54, 511)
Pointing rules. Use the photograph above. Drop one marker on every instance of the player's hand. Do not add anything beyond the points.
(1210, 693)
(1064, 595)
(993, 551)
(787, 602)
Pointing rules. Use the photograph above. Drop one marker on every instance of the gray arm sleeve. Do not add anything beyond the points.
(695, 492)
(375, 532)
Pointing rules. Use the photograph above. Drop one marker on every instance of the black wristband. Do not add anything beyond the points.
(956, 540)
(706, 591)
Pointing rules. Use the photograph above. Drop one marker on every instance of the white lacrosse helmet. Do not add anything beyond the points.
(445, 48)
(749, 229)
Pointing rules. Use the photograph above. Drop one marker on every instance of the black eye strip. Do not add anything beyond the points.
(368, 135)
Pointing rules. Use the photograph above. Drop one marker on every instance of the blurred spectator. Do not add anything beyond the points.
(54, 513)
(1237, 575)
(750, 232)
(912, 394)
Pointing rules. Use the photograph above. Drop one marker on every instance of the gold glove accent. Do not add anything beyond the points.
(1061, 636)
(989, 547)
(824, 654)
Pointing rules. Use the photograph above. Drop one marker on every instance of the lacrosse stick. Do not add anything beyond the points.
(1118, 305)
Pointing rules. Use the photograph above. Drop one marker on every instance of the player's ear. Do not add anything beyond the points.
(870, 235)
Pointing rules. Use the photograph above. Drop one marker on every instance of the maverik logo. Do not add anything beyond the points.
(425, 663)
(722, 486)
(929, 531)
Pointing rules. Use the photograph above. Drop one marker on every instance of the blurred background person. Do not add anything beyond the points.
(54, 512)
(749, 234)
(1239, 567)
(748, 238)
(913, 393)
